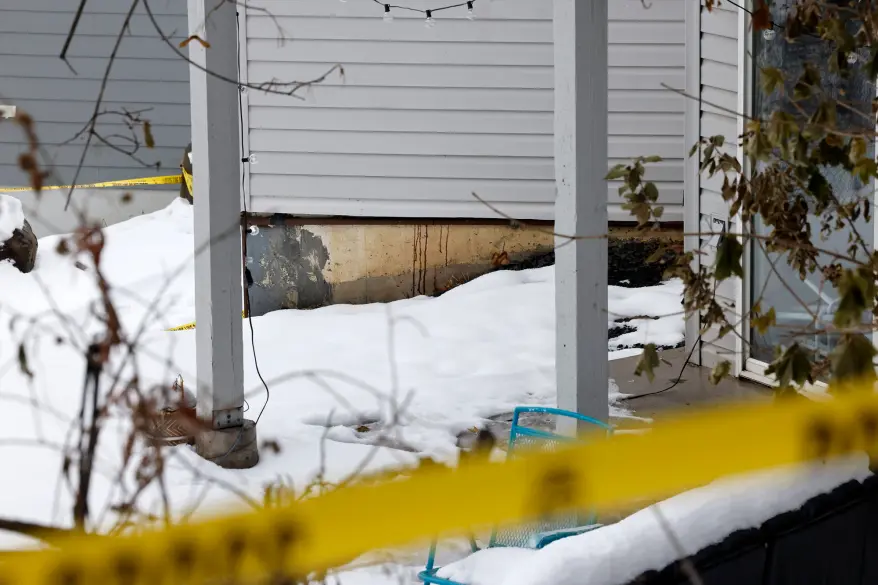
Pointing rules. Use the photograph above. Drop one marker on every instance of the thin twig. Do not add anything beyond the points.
(290, 87)
(35, 530)
(71, 33)
(99, 101)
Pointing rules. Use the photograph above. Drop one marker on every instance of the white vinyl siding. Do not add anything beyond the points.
(147, 76)
(719, 101)
(423, 118)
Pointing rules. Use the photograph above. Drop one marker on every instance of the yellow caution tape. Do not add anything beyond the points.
(187, 176)
(191, 325)
(333, 529)
(164, 180)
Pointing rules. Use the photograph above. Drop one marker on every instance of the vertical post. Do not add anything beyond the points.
(692, 176)
(231, 441)
(581, 206)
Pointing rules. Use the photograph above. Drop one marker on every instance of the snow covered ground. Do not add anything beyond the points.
(443, 364)
(437, 365)
(649, 315)
(47, 215)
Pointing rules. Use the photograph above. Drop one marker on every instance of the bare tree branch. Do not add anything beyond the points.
(99, 101)
(287, 88)
(34, 530)
(71, 33)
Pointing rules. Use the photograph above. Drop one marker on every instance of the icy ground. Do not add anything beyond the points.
(436, 365)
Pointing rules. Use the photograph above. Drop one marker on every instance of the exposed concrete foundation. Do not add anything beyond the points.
(300, 263)
(232, 448)
(311, 265)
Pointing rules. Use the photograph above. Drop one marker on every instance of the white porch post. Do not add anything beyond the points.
(581, 206)
(218, 289)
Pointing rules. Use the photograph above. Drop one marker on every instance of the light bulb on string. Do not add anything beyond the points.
(252, 159)
(470, 15)
(388, 17)
(853, 58)
(769, 34)
(430, 22)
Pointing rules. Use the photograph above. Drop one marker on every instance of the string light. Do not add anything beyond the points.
(430, 22)
(769, 34)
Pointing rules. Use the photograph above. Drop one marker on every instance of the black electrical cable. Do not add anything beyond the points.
(468, 4)
(674, 384)
(246, 217)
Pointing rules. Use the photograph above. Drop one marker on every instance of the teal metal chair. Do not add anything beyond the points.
(538, 534)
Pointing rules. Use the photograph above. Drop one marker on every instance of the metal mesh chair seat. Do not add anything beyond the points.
(541, 532)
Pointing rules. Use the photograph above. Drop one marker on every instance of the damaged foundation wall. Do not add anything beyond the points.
(305, 264)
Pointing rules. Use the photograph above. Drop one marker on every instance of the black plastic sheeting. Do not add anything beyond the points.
(831, 540)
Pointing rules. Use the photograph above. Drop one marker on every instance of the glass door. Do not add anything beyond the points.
(804, 307)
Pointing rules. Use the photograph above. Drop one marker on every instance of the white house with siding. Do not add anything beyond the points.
(367, 183)
(425, 116)
(147, 80)
(421, 119)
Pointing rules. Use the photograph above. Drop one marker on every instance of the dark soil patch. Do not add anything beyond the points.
(627, 262)
(537, 261)
(619, 331)
(641, 346)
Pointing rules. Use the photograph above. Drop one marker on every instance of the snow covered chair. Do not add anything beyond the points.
(532, 535)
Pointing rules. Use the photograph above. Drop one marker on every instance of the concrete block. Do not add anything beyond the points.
(232, 448)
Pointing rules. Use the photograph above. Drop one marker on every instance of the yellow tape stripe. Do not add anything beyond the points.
(188, 178)
(191, 325)
(334, 528)
(164, 180)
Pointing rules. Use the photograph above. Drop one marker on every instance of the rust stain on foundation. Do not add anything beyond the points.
(374, 262)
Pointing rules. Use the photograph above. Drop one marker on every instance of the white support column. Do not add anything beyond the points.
(692, 176)
(581, 206)
(218, 290)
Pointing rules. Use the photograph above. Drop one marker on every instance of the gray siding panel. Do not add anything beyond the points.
(159, 7)
(719, 95)
(147, 76)
(46, 111)
(423, 118)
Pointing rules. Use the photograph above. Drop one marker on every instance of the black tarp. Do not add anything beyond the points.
(831, 540)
